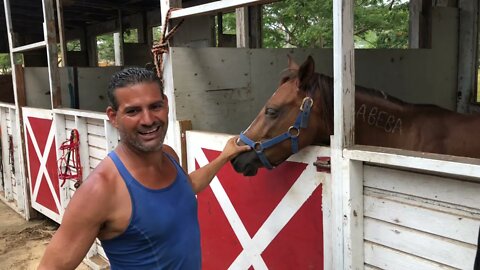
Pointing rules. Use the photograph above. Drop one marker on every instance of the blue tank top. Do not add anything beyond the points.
(163, 232)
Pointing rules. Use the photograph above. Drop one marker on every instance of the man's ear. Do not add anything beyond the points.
(112, 115)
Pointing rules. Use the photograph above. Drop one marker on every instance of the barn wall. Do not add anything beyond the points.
(222, 89)
(92, 85)
(37, 89)
(419, 221)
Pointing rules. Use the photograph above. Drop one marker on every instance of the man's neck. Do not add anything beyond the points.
(139, 158)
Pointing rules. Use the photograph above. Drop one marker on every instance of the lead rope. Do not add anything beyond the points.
(162, 47)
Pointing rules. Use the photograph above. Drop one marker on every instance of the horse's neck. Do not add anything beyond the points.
(381, 120)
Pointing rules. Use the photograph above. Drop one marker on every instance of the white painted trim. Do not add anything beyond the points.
(415, 160)
(37, 113)
(81, 124)
(7, 105)
(6, 156)
(8, 19)
(216, 6)
(81, 113)
(111, 136)
(29, 47)
(346, 175)
(20, 182)
(47, 212)
(60, 137)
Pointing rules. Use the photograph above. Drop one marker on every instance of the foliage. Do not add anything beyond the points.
(5, 66)
(130, 36)
(309, 24)
(229, 23)
(74, 45)
(105, 48)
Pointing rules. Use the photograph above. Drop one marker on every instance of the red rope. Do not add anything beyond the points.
(162, 46)
(69, 166)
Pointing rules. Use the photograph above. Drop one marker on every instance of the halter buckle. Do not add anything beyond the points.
(258, 147)
(307, 104)
(293, 131)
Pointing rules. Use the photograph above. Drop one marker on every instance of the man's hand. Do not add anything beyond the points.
(232, 149)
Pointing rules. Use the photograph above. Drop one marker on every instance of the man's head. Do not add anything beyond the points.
(130, 76)
(138, 109)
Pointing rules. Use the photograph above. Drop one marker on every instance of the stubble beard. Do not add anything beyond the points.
(133, 142)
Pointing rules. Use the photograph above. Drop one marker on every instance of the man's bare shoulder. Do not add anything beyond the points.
(169, 150)
(99, 186)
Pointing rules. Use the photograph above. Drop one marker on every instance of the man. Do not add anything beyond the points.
(138, 201)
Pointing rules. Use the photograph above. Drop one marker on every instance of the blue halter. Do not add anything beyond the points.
(292, 133)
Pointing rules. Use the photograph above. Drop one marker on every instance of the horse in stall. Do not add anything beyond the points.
(300, 113)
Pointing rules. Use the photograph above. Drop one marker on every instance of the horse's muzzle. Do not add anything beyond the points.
(246, 163)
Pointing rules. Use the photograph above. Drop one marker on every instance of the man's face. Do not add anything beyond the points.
(142, 116)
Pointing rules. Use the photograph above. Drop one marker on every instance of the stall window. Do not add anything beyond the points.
(105, 50)
(74, 45)
(130, 36)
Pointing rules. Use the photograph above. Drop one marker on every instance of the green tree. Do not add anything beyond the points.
(5, 66)
(309, 24)
(105, 48)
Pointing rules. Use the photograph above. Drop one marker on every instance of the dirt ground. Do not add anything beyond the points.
(23, 243)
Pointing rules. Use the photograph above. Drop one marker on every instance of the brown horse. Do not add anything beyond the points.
(300, 113)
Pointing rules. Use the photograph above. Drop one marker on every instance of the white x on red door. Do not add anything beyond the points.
(42, 162)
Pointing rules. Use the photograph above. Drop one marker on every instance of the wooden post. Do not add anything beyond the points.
(118, 41)
(18, 86)
(243, 38)
(52, 56)
(184, 126)
(168, 90)
(347, 183)
(467, 54)
(61, 33)
(20, 82)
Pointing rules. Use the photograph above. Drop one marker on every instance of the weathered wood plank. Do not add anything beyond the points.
(98, 130)
(402, 213)
(96, 141)
(424, 186)
(387, 258)
(438, 249)
(97, 153)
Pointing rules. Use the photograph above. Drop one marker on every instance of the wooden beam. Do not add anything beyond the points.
(20, 89)
(185, 125)
(118, 42)
(52, 56)
(243, 38)
(467, 54)
(61, 33)
(256, 29)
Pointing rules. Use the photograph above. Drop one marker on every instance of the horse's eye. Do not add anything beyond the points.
(271, 112)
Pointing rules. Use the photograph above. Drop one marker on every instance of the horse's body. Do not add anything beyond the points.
(380, 120)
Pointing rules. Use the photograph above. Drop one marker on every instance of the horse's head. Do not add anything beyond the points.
(294, 117)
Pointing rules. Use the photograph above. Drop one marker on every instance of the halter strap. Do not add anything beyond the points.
(292, 133)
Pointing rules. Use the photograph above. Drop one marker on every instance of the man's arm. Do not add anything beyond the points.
(81, 223)
(202, 177)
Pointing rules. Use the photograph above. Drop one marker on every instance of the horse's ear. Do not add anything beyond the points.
(291, 63)
(305, 73)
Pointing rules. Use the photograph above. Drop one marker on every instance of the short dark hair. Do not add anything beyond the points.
(130, 76)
